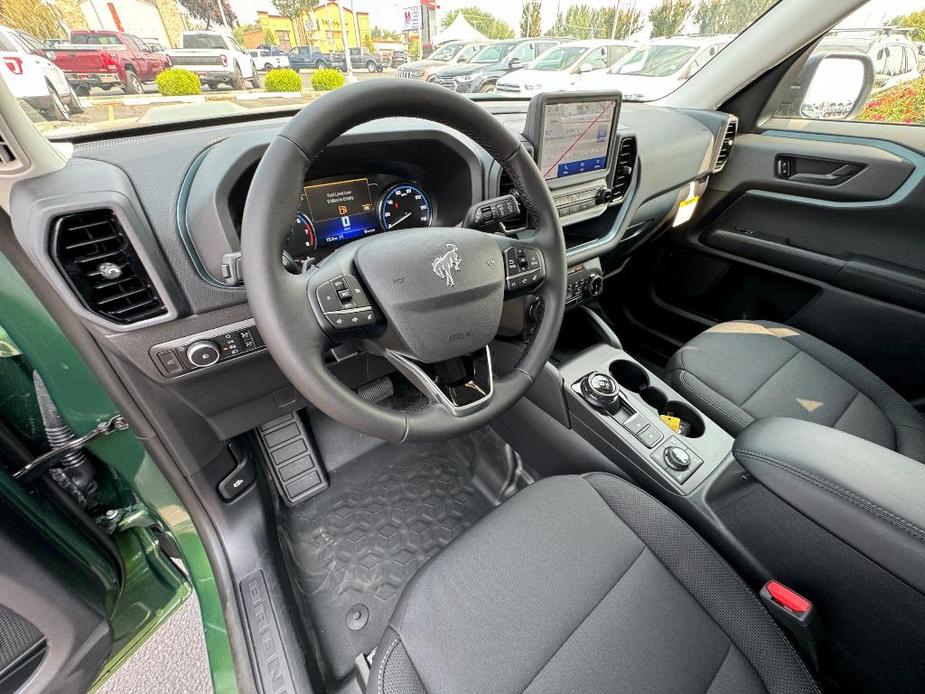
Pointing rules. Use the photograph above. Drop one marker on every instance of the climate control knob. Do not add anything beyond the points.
(203, 353)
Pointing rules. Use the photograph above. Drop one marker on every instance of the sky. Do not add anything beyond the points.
(388, 13)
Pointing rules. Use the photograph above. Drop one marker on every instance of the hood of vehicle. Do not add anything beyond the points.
(466, 69)
(633, 87)
(547, 78)
(422, 64)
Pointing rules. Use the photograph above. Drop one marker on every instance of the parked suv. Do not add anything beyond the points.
(359, 58)
(563, 66)
(33, 78)
(450, 53)
(895, 56)
(310, 58)
(492, 63)
(658, 68)
(108, 59)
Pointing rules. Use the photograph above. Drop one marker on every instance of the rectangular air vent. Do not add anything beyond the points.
(624, 169)
(96, 257)
(725, 148)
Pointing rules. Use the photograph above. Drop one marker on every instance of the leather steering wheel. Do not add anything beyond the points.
(427, 299)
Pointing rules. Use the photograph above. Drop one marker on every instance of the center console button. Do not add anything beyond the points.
(677, 458)
(649, 436)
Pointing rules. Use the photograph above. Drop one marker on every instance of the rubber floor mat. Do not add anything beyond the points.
(355, 546)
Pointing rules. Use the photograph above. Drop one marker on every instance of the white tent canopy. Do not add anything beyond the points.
(459, 30)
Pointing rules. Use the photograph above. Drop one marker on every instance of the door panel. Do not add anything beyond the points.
(843, 260)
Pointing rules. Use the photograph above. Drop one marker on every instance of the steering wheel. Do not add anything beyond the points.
(428, 299)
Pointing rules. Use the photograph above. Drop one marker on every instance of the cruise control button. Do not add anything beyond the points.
(339, 284)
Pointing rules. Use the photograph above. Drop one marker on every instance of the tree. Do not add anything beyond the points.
(385, 34)
(531, 19)
(241, 29)
(586, 22)
(207, 10)
(368, 43)
(294, 9)
(269, 37)
(728, 16)
(485, 22)
(668, 16)
(914, 20)
(629, 21)
(32, 16)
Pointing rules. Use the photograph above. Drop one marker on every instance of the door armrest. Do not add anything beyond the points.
(868, 496)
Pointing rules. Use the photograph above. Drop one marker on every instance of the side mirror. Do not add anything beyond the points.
(838, 86)
(585, 67)
(515, 63)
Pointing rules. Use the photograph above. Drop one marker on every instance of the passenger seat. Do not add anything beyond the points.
(740, 371)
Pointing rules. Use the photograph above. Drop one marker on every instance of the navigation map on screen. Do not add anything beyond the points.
(576, 137)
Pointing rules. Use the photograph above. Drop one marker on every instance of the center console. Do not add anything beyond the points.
(635, 418)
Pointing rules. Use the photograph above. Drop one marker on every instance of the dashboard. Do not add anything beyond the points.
(176, 200)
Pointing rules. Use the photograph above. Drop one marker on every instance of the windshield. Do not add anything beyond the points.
(493, 54)
(558, 58)
(655, 61)
(207, 41)
(95, 39)
(211, 74)
(445, 53)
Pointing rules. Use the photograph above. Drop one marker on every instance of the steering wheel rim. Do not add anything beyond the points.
(286, 314)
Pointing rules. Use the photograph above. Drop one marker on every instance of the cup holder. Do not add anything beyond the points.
(629, 375)
(634, 379)
(687, 415)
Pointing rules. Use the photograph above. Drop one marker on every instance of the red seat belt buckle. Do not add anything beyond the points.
(796, 614)
(787, 598)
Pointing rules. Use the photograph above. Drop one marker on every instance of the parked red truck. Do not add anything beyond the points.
(108, 59)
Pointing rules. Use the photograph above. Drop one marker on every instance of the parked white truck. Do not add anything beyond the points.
(216, 59)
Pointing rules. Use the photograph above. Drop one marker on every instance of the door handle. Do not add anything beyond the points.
(788, 168)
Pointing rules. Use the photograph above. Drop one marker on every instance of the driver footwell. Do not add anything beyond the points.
(353, 548)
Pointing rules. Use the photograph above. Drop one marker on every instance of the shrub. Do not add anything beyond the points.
(327, 79)
(904, 103)
(282, 80)
(176, 81)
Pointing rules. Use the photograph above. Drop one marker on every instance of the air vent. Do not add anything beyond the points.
(626, 166)
(506, 187)
(94, 254)
(726, 147)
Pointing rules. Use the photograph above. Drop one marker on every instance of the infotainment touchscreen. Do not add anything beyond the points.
(576, 138)
(573, 134)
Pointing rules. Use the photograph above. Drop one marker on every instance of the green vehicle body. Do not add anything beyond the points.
(152, 586)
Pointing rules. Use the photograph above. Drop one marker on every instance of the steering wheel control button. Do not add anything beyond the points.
(677, 458)
(523, 269)
(203, 353)
(345, 305)
(600, 390)
(649, 436)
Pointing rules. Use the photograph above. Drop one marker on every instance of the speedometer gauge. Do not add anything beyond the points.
(404, 206)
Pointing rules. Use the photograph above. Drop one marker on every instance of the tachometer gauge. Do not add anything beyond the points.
(403, 207)
(302, 240)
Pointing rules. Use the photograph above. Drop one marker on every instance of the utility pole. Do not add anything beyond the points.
(613, 27)
(343, 37)
(221, 9)
(356, 22)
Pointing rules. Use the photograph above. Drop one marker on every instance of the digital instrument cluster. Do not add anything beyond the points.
(333, 213)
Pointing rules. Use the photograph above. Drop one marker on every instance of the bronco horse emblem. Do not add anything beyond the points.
(445, 264)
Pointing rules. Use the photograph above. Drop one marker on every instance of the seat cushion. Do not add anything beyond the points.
(582, 584)
(740, 371)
